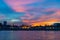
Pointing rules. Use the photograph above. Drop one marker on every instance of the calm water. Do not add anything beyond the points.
(29, 35)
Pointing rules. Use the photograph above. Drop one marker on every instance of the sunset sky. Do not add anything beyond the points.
(33, 12)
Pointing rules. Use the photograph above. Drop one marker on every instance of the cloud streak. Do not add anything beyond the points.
(19, 5)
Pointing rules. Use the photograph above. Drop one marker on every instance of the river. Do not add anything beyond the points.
(29, 35)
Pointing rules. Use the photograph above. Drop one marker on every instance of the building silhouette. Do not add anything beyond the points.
(5, 23)
(6, 26)
(56, 24)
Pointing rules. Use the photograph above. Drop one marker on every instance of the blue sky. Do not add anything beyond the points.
(37, 10)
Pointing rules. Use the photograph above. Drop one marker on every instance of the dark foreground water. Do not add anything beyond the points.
(29, 35)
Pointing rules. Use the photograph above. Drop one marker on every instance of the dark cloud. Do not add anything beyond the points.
(49, 12)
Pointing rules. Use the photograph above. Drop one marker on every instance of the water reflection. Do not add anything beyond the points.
(29, 35)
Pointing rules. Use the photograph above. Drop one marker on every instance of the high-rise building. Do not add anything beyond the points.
(5, 23)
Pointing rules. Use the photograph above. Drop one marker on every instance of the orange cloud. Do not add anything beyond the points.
(45, 19)
(38, 23)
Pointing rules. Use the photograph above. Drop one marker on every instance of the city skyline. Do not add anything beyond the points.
(15, 27)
